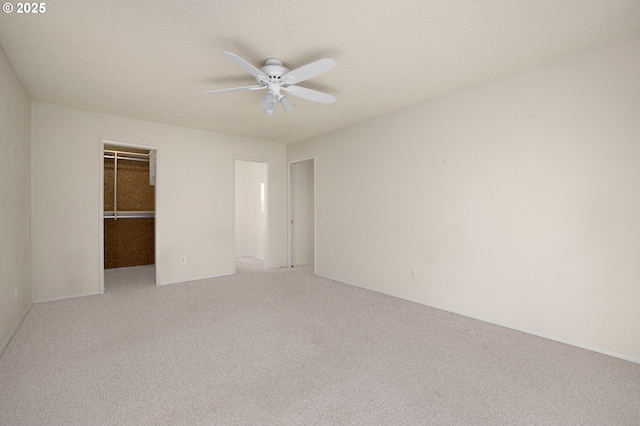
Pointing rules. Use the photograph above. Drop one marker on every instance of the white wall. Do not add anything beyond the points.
(302, 188)
(517, 201)
(194, 198)
(251, 222)
(15, 201)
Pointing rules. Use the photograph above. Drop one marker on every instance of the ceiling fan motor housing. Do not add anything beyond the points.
(274, 69)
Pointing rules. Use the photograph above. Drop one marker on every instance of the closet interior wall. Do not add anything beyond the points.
(128, 241)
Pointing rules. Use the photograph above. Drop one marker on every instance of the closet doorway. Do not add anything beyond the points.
(128, 206)
(251, 219)
(302, 212)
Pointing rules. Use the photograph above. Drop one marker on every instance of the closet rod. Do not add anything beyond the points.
(129, 214)
(120, 157)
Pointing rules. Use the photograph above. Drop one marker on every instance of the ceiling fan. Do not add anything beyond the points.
(274, 77)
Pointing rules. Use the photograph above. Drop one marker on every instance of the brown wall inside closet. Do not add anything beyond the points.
(128, 241)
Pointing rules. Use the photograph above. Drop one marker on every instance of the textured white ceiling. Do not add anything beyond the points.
(152, 60)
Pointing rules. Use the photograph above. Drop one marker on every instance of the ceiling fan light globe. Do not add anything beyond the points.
(271, 111)
(268, 101)
(287, 104)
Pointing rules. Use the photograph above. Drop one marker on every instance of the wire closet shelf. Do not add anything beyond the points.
(127, 156)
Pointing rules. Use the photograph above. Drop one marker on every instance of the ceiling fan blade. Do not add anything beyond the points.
(236, 89)
(308, 71)
(312, 95)
(246, 66)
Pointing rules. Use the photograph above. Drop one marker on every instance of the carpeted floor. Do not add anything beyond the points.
(284, 347)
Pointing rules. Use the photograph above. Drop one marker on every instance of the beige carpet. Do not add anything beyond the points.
(283, 347)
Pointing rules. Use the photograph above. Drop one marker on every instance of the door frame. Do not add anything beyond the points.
(102, 143)
(237, 158)
(290, 244)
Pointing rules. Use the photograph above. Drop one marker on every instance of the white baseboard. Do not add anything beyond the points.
(68, 296)
(196, 279)
(500, 323)
(250, 255)
(15, 328)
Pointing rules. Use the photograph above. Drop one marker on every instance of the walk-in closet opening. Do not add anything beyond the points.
(251, 210)
(302, 212)
(129, 231)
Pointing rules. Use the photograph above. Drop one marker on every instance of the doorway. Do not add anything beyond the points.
(251, 211)
(128, 231)
(302, 212)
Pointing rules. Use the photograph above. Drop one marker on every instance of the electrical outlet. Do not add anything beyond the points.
(414, 273)
(183, 259)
